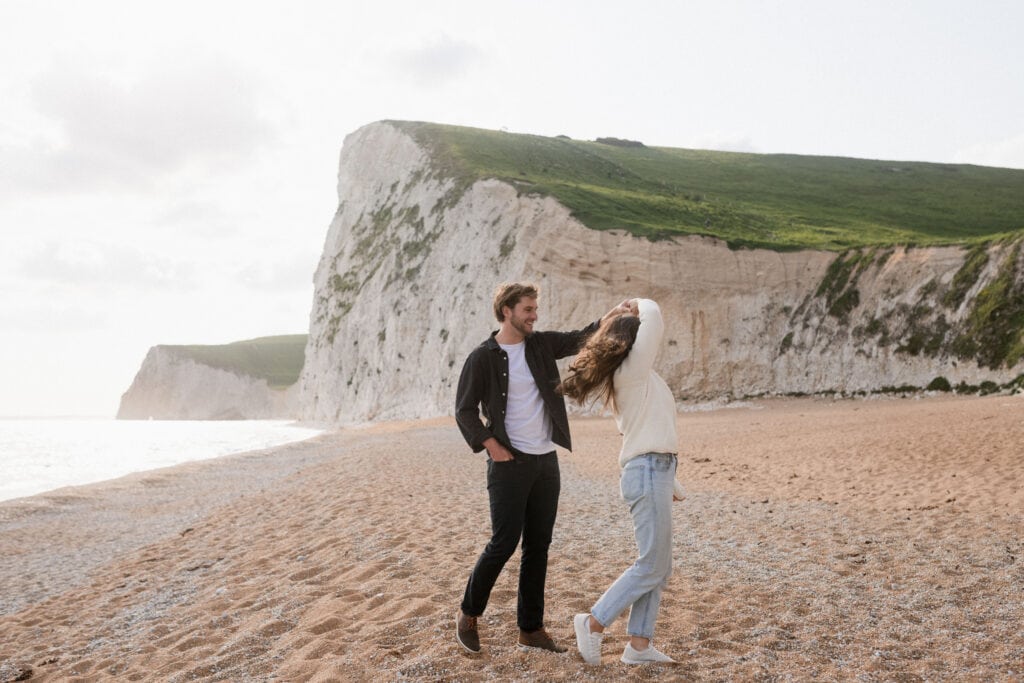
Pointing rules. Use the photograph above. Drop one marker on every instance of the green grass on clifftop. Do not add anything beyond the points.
(276, 359)
(775, 201)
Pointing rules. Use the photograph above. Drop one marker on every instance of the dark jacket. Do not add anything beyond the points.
(483, 386)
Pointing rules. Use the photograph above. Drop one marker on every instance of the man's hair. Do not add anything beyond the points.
(509, 294)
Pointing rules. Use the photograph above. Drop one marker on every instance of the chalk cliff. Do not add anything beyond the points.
(174, 383)
(403, 293)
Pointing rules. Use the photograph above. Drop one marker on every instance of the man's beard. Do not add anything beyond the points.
(521, 327)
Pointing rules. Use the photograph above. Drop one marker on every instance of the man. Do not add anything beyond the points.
(512, 377)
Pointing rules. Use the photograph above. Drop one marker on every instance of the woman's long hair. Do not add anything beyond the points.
(593, 371)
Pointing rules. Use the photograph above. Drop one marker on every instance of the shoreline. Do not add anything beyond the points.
(105, 513)
(48, 454)
(682, 408)
(818, 538)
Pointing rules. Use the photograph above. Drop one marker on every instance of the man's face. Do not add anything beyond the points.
(522, 316)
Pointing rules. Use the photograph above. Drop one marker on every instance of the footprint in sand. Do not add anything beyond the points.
(305, 574)
(189, 644)
(325, 626)
(275, 628)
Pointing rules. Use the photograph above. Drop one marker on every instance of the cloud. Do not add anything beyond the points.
(198, 218)
(724, 142)
(1005, 153)
(90, 263)
(294, 274)
(133, 132)
(437, 62)
(48, 317)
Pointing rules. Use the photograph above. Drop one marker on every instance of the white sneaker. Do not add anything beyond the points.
(648, 656)
(589, 644)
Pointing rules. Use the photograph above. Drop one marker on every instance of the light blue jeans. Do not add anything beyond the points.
(647, 483)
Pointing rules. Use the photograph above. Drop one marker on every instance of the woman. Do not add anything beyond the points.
(616, 365)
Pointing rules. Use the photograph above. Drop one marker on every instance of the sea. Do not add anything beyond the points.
(38, 455)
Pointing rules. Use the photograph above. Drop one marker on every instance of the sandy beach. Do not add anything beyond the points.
(869, 540)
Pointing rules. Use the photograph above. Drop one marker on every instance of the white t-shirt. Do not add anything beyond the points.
(526, 419)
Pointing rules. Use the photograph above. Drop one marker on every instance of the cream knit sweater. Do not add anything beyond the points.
(645, 407)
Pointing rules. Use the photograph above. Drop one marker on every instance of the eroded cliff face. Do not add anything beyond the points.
(171, 386)
(403, 293)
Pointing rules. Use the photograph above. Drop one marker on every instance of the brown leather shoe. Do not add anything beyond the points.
(466, 634)
(538, 640)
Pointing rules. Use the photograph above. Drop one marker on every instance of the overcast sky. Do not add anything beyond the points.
(167, 170)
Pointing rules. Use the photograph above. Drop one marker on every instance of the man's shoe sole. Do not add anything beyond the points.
(462, 644)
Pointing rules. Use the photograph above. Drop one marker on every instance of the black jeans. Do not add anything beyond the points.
(524, 501)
